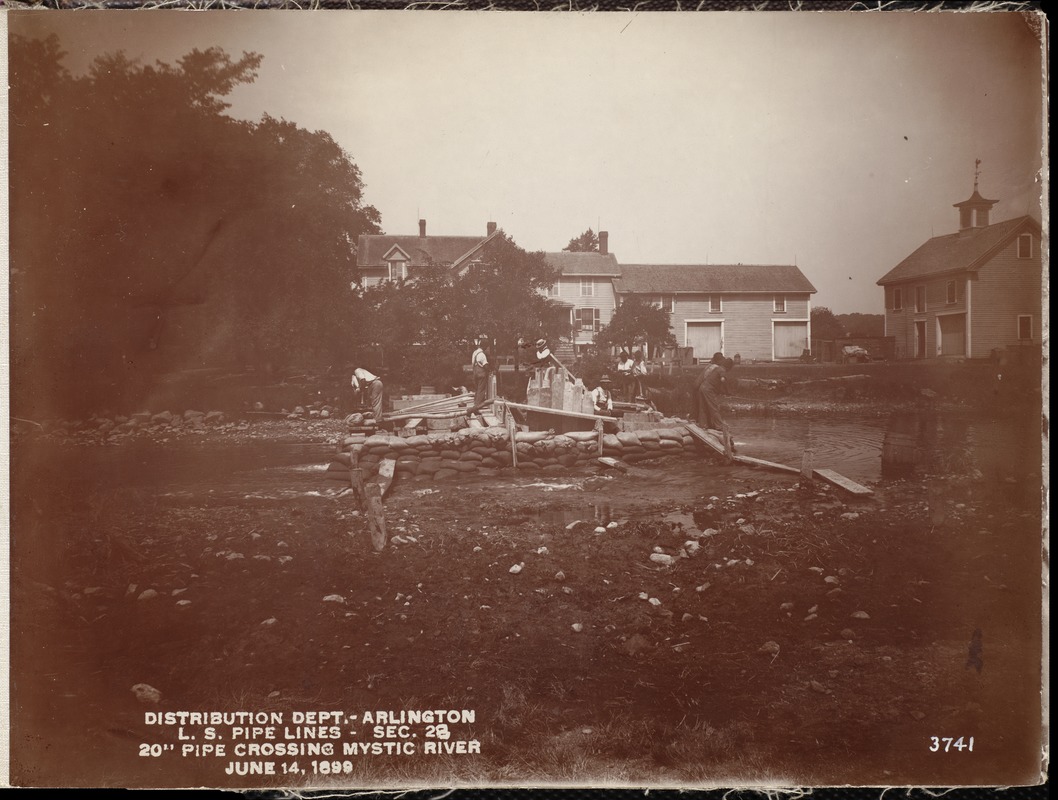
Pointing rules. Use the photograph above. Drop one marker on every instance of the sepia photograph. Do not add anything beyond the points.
(488, 398)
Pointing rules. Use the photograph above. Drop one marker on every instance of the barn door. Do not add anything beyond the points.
(952, 334)
(791, 339)
(705, 339)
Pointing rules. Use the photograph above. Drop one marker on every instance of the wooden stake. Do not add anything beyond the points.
(356, 479)
(598, 435)
(729, 453)
(806, 466)
(514, 445)
(376, 516)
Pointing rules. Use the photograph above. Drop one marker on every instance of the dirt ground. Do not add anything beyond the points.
(799, 636)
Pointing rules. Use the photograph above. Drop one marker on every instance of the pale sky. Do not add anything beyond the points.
(836, 141)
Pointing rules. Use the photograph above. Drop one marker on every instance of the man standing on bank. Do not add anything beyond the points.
(479, 364)
(708, 409)
(365, 382)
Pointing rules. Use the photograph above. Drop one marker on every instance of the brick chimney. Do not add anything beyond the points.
(604, 242)
(490, 228)
(422, 228)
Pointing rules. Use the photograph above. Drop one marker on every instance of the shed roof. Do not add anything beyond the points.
(968, 249)
(683, 278)
(567, 263)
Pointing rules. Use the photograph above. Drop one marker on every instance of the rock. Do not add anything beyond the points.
(334, 598)
(831, 580)
(811, 617)
(687, 617)
(147, 594)
(600, 529)
(692, 547)
(258, 406)
(269, 621)
(541, 551)
(769, 648)
(174, 593)
(612, 525)
(817, 569)
(183, 603)
(516, 568)
(860, 615)
(818, 687)
(662, 558)
(147, 694)
(192, 414)
(644, 596)
(214, 416)
(577, 627)
(786, 607)
(560, 576)
(847, 633)
(703, 587)
(325, 414)
(813, 609)
(477, 549)
(163, 416)
(654, 601)
(748, 529)
(850, 515)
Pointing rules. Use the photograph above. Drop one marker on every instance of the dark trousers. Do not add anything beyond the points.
(374, 390)
(481, 389)
(707, 410)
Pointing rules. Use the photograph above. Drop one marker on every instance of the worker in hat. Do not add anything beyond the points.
(602, 397)
(706, 393)
(364, 382)
(479, 365)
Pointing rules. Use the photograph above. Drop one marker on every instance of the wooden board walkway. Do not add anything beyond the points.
(713, 442)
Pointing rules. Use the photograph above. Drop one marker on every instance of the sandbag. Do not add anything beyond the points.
(581, 436)
(466, 466)
(648, 436)
(344, 458)
(670, 434)
(611, 441)
(471, 457)
(441, 474)
(628, 439)
(530, 436)
(450, 455)
(378, 439)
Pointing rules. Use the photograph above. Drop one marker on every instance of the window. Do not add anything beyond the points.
(588, 318)
(715, 306)
(553, 291)
(780, 304)
(587, 287)
(1025, 245)
(665, 302)
(920, 299)
(1025, 327)
(398, 270)
(898, 299)
(951, 292)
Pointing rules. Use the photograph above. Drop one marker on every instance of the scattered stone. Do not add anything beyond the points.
(269, 621)
(749, 562)
(831, 579)
(334, 598)
(477, 549)
(147, 694)
(514, 570)
(273, 695)
(818, 687)
(769, 648)
(687, 617)
(850, 515)
(834, 592)
(92, 590)
(612, 525)
(662, 558)
(786, 607)
(748, 529)
(541, 551)
(577, 627)
(233, 556)
(813, 609)
(147, 594)
(848, 633)
(600, 529)
(692, 547)
(644, 596)
(131, 589)
(285, 559)
(560, 576)
(703, 587)
(175, 592)
(811, 617)
(817, 569)
(183, 603)
(860, 615)
(654, 601)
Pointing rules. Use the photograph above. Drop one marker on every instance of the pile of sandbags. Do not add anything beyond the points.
(486, 450)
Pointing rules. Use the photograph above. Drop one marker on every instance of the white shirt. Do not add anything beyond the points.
(625, 366)
(361, 375)
(601, 397)
(479, 359)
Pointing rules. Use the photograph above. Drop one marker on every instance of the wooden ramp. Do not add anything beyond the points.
(711, 440)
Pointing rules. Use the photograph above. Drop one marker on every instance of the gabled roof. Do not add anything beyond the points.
(567, 263)
(372, 249)
(958, 252)
(683, 278)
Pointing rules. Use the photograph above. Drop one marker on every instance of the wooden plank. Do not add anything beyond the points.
(376, 516)
(491, 420)
(544, 410)
(386, 468)
(474, 422)
(706, 438)
(837, 479)
(606, 461)
(760, 462)
(514, 445)
(414, 422)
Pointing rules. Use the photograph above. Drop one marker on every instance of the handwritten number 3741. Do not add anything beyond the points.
(947, 744)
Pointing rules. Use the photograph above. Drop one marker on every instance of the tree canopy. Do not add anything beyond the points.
(825, 324)
(426, 325)
(637, 321)
(587, 242)
(152, 232)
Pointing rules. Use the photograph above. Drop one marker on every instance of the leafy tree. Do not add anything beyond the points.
(151, 232)
(587, 242)
(637, 321)
(863, 325)
(825, 325)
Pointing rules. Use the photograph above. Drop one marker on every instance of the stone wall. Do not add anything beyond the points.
(486, 451)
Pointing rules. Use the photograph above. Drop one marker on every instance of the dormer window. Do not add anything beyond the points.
(398, 270)
(1025, 245)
